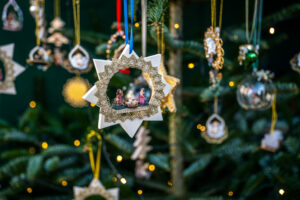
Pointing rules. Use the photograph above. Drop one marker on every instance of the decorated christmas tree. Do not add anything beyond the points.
(183, 100)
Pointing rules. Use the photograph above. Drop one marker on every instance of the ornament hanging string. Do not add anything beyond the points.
(37, 21)
(249, 38)
(119, 28)
(76, 12)
(95, 165)
(214, 13)
(57, 8)
(257, 32)
(144, 27)
(126, 24)
(216, 105)
(274, 113)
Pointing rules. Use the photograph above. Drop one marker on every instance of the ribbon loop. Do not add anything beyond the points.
(95, 165)
(126, 24)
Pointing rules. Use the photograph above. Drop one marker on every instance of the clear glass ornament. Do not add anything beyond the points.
(256, 92)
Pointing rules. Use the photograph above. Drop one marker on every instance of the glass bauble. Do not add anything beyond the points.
(255, 93)
(251, 57)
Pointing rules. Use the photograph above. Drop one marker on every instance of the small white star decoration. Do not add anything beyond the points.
(10, 70)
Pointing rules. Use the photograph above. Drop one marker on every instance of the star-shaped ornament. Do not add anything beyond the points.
(10, 70)
(169, 100)
(128, 113)
(95, 188)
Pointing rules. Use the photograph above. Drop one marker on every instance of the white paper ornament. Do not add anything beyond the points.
(272, 142)
(95, 188)
(132, 119)
(11, 70)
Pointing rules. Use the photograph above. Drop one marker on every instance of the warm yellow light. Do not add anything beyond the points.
(230, 193)
(151, 168)
(199, 126)
(231, 83)
(140, 192)
(29, 190)
(92, 105)
(119, 158)
(32, 104)
(136, 25)
(191, 65)
(123, 180)
(44, 145)
(76, 143)
(170, 183)
(114, 179)
(235, 37)
(176, 26)
(281, 191)
(203, 128)
(107, 51)
(31, 150)
(64, 183)
(272, 30)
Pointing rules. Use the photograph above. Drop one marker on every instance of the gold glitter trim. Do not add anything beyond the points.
(214, 33)
(211, 140)
(67, 65)
(8, 82)
(112, 115)
(89, 191)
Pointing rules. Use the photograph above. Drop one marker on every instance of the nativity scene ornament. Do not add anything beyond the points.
(12, 18)
(128, 112)
(9, 71)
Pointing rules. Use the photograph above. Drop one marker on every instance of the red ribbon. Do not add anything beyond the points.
(119, 28)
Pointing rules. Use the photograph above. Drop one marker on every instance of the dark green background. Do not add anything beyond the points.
(98, 15)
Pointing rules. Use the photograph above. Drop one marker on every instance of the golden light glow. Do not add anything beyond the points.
(136, 25)
(170, 183)
(123, 180)
(230, 193)
(92, 105)
(29, 190)
(32, 104)
(64, 183)
(31, 150)
(114, 179)
(73, 91)
(176, 26)
(231, 83)
(235, 37)
(140, 192)
(203, 128)
(272, 30)
(44, 145)
(199, 126)
(281, 191)
(76, 143)
(151, 168)
(119, 158)
(191, 65)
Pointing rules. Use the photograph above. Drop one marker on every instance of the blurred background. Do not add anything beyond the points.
(43, 138)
